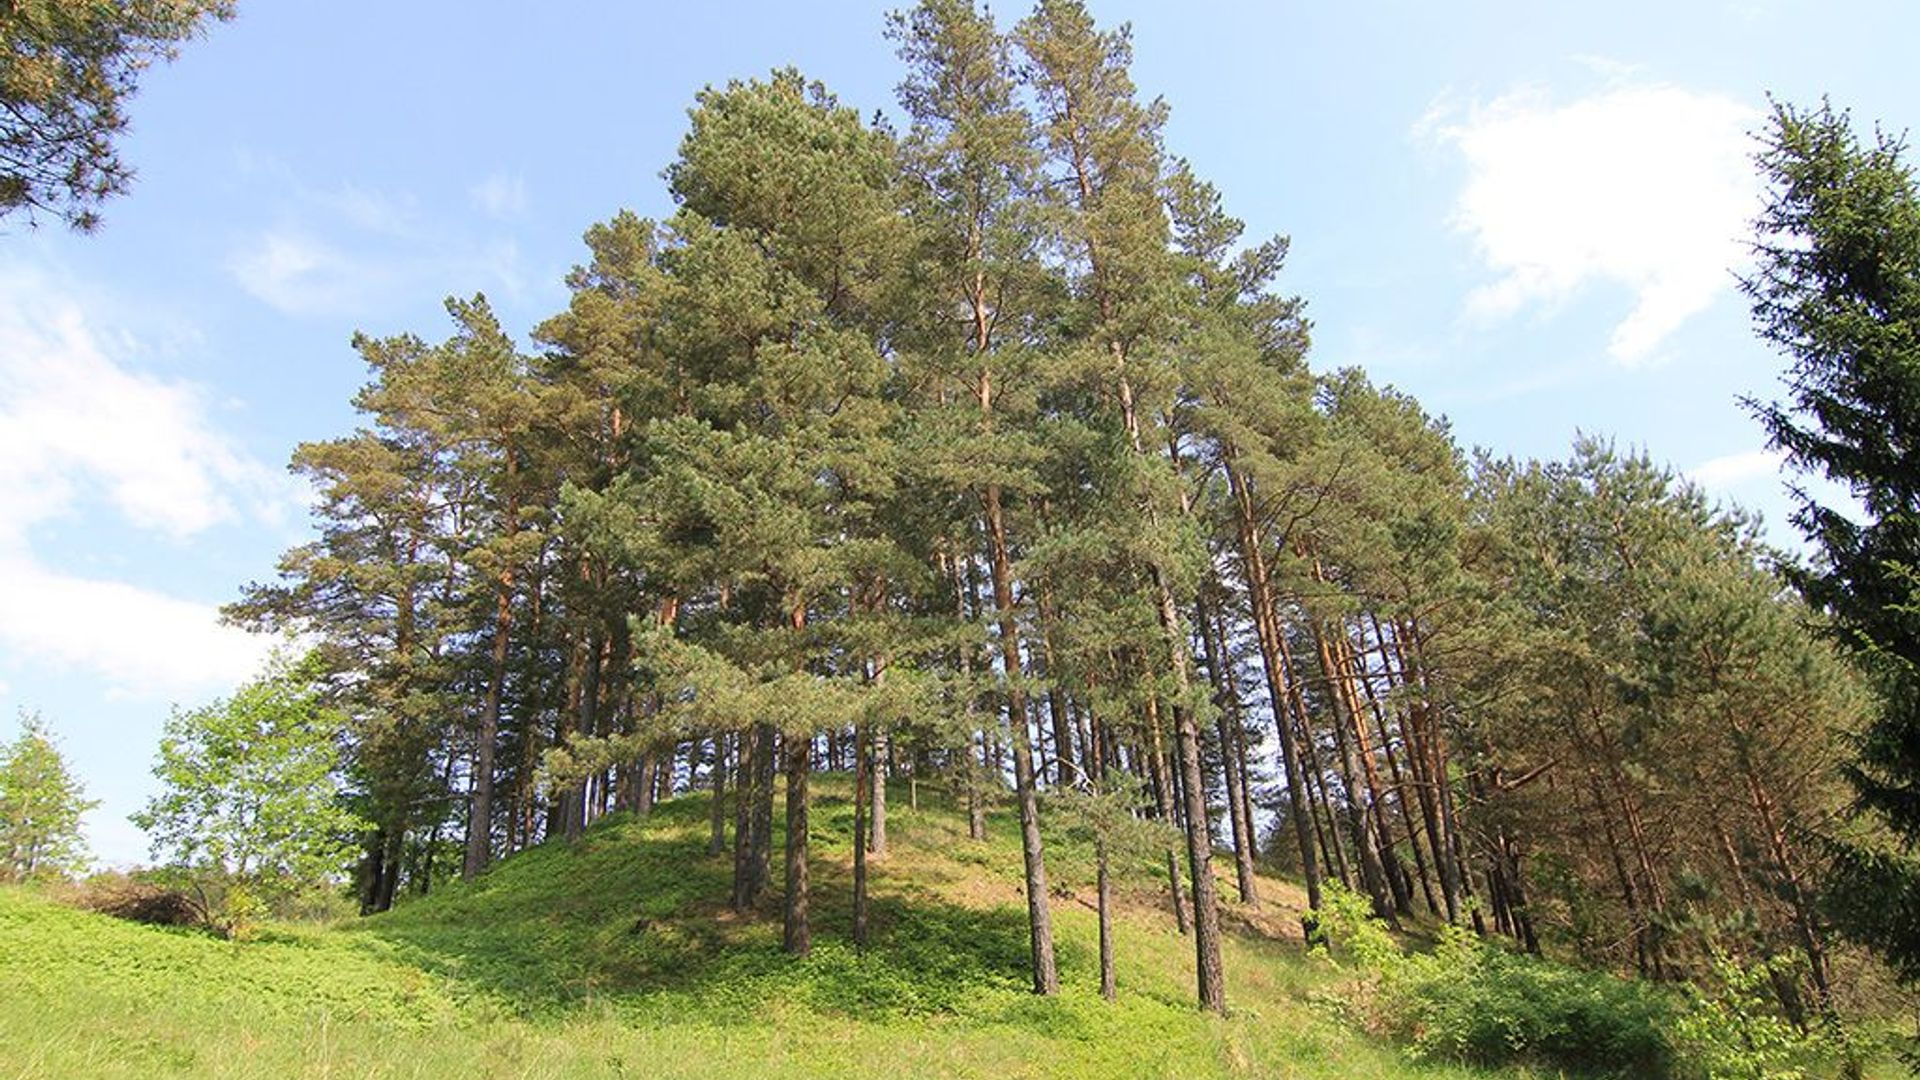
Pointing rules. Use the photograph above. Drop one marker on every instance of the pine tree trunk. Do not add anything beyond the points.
(574, 814)
(797, 936)
(753, 817)
(862, 797)
(760, 821)
(1373, 874)
(1794, 889)
(1064, 771)
(1422, 730)
(877, 836)
(1227, 698)
(1378, 844)
(1161, 776)
(1266, 626)
(1046, 979)
(480, 813)
(967, 601)
(1210, 977)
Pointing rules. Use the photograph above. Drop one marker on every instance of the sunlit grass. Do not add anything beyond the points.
(616, 958)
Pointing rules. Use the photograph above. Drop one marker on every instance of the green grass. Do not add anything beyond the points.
(616, 958)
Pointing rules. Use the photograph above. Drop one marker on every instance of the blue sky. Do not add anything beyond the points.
(1529, 215)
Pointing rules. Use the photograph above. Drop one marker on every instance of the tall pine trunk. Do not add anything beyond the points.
(1046, 978)
(1266, 627)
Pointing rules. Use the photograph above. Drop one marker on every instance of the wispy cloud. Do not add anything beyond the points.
(1733, 469)
(298, 273)
(72, 416)
(350, 250)
(500, 195)
(1647, 186)
(301, 275)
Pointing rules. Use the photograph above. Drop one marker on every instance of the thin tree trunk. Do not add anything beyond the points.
(798, 929)
(717, 838)
(862, 797)
(1105, 893)
(1161, 774)
(1063, 755)
(1422, 730)
(1227, 698)
(1266, 626)
(964, 592)
(1046, 979)
(1210, 977)
(1396, 779)
(1333, 658)
(877, 835)
(480, 812)
(575, 812)
(1804, 919)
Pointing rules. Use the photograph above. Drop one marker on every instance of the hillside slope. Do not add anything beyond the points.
(616, 957)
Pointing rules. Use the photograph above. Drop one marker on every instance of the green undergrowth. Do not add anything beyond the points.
(615, 957)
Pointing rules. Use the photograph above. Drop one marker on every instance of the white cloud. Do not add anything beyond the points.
(369, 210)
(143, 643)
(499, 195)
(75, 421)
(1731, 470)
(1646, 186)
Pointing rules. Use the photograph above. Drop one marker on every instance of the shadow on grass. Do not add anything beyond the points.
(633, 916)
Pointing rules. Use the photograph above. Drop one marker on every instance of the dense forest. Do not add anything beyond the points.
(988, 454)
(982, 456)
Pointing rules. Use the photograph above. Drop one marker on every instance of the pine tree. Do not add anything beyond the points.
(1106, 164)
(970, 148)
(66, 72)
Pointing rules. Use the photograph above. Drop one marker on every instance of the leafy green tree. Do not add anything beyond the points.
(41, 803)
(67, 68)
(251, 788)
(1837, 289)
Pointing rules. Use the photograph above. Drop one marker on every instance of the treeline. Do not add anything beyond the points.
(985, 454)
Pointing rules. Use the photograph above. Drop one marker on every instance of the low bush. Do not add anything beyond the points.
(1470, 1000)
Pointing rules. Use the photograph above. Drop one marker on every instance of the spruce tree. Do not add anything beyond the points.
(1837, 289)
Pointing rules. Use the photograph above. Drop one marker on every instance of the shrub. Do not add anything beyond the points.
(1471, 1000)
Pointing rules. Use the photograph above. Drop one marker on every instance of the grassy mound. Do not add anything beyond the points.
(616, 957)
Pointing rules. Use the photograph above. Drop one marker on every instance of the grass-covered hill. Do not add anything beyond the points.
(616, 957)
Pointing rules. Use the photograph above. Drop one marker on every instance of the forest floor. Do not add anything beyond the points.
(616, 957)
